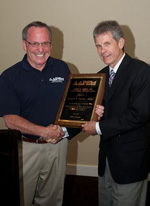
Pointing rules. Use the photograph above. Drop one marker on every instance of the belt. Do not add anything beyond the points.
(37, 141)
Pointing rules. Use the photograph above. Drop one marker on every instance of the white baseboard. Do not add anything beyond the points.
(85, 170)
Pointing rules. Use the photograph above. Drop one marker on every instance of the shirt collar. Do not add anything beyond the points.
(117, 65)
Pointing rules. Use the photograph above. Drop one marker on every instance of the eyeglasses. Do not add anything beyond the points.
(37, 44)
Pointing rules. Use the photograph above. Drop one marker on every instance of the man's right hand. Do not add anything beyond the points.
(54, 134)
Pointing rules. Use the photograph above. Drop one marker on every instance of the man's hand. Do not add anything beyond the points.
(54, 134)
(99, 110)
(89, 128)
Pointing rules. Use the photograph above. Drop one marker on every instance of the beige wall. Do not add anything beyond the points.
(72, 24)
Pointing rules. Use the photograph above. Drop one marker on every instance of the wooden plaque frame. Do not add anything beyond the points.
(82, 93)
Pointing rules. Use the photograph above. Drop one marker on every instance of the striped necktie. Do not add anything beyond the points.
(111, 77)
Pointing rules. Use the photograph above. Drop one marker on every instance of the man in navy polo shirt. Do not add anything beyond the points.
(31, 91)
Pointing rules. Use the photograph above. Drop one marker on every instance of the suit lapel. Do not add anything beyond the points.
(118, 79)
(107, 89)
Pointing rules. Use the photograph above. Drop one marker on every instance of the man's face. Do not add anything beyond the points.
(37, 55)
(108, 49)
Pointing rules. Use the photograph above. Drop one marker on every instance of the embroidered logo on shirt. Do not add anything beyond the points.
(56, 80)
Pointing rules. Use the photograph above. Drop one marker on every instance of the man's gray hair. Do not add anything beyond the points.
(109, 26)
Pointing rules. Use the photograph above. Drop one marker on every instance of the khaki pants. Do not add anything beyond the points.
(42, 173)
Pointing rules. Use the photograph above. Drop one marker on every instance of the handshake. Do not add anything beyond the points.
(55, 133)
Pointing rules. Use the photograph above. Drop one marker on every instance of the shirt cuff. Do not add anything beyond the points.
(66, 132)
(98, 130)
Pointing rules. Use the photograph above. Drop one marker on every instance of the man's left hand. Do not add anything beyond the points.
(89, 128)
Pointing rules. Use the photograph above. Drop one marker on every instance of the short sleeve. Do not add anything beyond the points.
(9, 102)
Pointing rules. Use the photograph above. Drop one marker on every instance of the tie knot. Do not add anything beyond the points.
(112, 72)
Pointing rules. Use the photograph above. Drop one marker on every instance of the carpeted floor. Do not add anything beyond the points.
(83, 191)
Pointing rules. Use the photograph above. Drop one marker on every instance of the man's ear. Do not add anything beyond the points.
(121, 43)
(24, 45)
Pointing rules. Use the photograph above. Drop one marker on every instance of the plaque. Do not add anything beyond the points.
(82, 93)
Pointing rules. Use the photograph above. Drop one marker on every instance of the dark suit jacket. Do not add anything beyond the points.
(125, 126)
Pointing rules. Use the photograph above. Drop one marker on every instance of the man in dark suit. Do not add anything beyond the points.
(125, 125)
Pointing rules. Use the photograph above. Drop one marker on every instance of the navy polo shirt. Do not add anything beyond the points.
(33, 94)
